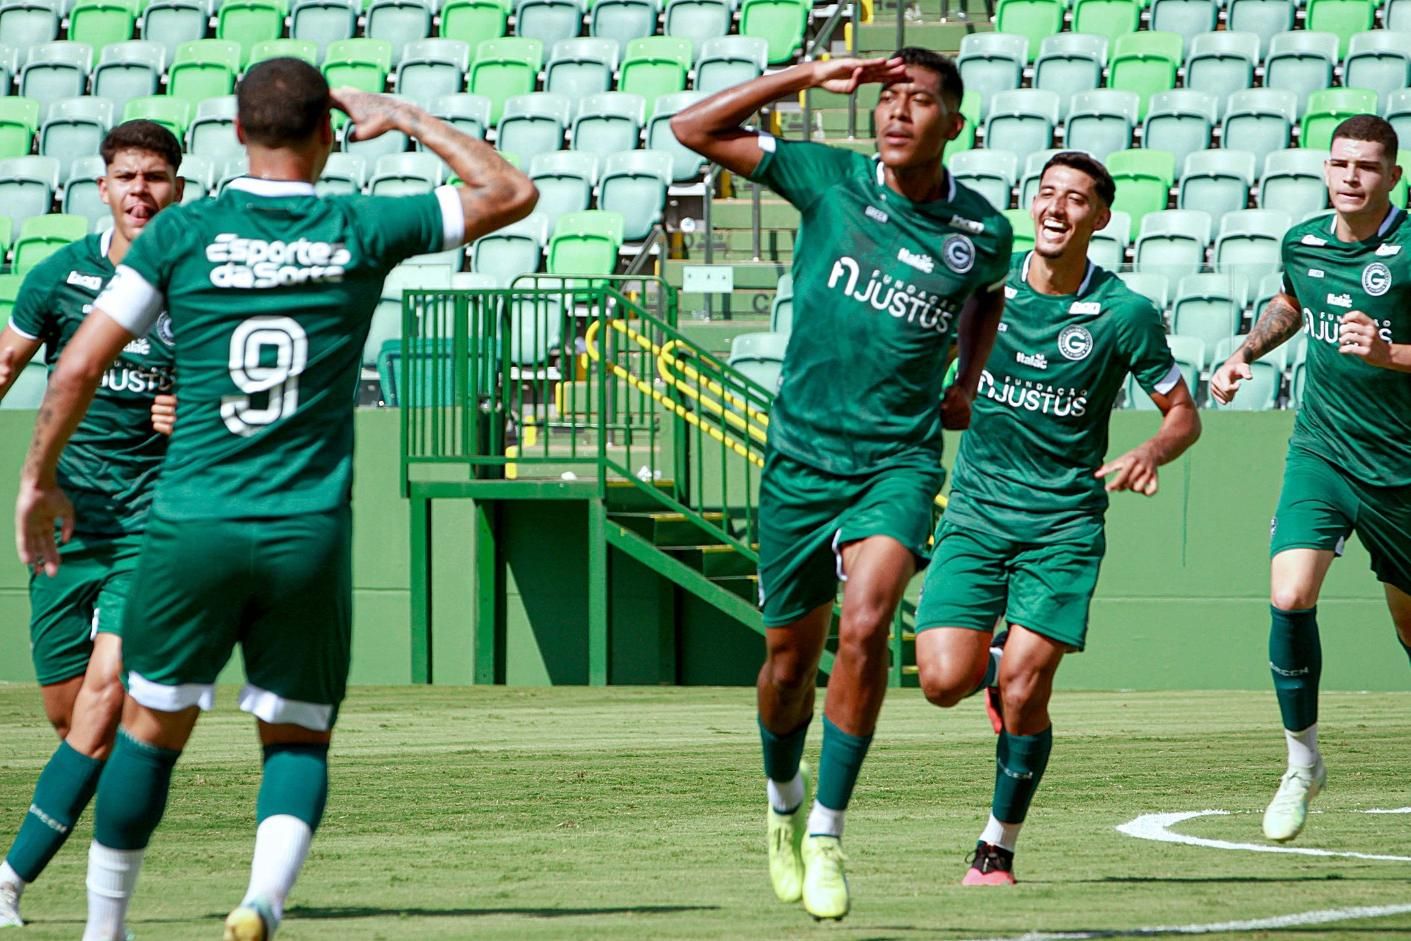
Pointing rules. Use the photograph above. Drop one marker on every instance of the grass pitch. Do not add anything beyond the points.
(638, 814)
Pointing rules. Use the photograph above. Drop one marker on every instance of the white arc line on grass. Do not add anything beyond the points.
(1320, 917)
(1158, 827)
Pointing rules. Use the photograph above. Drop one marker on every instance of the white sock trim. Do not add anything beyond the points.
(281, 846)
(785, 796)
(8, 876)
(1001, 834)
(825, 821)
(112, 878)
(1302, 747)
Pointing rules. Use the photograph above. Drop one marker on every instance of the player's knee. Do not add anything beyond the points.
(943, 683)
(1024, 690)
(789, 673)
(1292, 597)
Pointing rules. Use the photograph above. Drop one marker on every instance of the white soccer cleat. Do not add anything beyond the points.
(1288, 811)
(10, 906)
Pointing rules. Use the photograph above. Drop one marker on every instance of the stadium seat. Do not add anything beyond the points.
(533, 124)
(1149, 284)
(1108, 247)
(1173, 242)
(1293, 182)
(1101, 121)
(99, 23)
(431, 68)
(1302, 62)
(1248, 242)
(686, 164)
(81, 192)
(304, 49)
(1378, 60)
(991, 173)
(781, 308)
(129, 70)
(623, 20)
(56, 70)
(406, 174)
(75, 126)
(548, 20)
(232, 169)
(970, 111)
(655, 66)
(1260, 120)
(1258, 393)
(1283, 358)
(1187, 352)
(1023, 225)
(360, 63)
(24, 25)
(1070, 64)
(516, 249)
(727, 61)
(28, 388)
(1110, 18)
(474, 21)
(1329, 107)
(174, 114)
(212, 131)
(173, 23)
(205, 68)
(390, 142)
(386, 325)
(200, 175)
(398, 22)
(781, 23)
(1036, 20)
(1033, 170)
(1264, 18)
(991, 63)
(27, 188)
(1144, 179)
(324, 22)
(698, 20)
(585, 243)
(581, 67)
(247, 22)
(1186, 18)
(1217, 181)
(1222, 63)
(1179, 121)
(9, 69)
(467, 113)
(1396, 16)
(634, 184)
(1208, 307)
(344, 173)
(503, 68)
(1398, 112)
(19, 122)
(9, 283)
(759, 357)
(565, 180)
(1145, 63)
(1342, 18)
(1022, 120)
(42, 236)
(608, 123)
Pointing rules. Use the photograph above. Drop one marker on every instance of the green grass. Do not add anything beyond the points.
(638, 814)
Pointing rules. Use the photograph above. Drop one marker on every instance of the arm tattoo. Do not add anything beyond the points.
(1279, 322)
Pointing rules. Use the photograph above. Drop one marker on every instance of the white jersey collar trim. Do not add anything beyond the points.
(950, 178)
(257, 187)
(105, 242)
(1082, 287)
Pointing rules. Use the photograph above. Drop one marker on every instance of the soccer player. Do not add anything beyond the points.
(270, 290)
(108, 468)
(894, 259)
(1347, 282)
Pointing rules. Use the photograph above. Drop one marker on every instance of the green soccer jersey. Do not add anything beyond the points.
(879, 282)
(270, 291)
(1038, 428)
(1356, 415)
(112, 461)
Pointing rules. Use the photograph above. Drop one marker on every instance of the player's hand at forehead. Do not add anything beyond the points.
(844, 76)
(372, 115)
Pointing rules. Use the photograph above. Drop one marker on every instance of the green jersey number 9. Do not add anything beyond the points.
(267, 355)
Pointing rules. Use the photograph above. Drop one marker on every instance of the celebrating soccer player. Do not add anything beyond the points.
(270, 290)
(1022, 537)
(890, 250)
(1347, 282)
(108, 470)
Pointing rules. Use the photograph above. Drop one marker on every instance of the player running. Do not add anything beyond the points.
(1022, 537)
(270, 291)
(1347, 282)
(108, 469)
(890, 249)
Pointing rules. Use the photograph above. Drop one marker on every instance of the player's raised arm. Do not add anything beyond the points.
(713, 127)
(16, 350)
(1180, 428)
(493, 193)
(1281, 319)
(979, 322)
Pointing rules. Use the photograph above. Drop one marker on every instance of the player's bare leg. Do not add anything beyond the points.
(955, 663)
(1399, 604)
(1296, 662)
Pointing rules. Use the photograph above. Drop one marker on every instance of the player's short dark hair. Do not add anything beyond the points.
(148, 136)
(1086, 163)
(281, 102)
(1369, 127)
(951, 84)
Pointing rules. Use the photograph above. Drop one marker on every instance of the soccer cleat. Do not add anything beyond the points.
(1288, 811)
(990, 864)
(252, 921)
(825, 884)
(994, 706)
(786, 832)
(10, 906)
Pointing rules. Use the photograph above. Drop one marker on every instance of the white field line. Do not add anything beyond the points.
(1394, 810)
(1297, 920)
(1158, 827)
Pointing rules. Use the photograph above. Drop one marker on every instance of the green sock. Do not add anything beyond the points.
(1296, 662)
(782, 753)
(132, 794)
(295, 783)
(839, 765)
(65, 787)
(1020, 761)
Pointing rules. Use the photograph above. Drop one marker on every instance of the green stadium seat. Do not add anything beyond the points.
(1179, 121)
(174, 114)
(1023, 225)
(698, 20)
(386, 326)
(101, 22)
(1145, 63)
(129, 70)
(533, 124)
(232, 169)
(173, 23)
(29, 386)
(1101, 121)
(608, 123)
(360, 63)
(1173, 241)
(585, 243)
(1264, 18)
(1396, 16)
(305, 49)
(199, 172)
(19, 122)
(1154, 287)
(467, 113)
(634, 184)
(398, 22)
(991, 173)
(1342, 18)
(473, 21)
(686, 164)
(1398, 112)
(344, 173)
(1186, 18)
(565, 180)
(1033, 172)
(509, 252)
(1036, 20)
(970, 111)
(246, 22)
(1217, 181)
(759, 357)
(1181, 349)
(727, 61)
(503, 68)
(1208, 307)
(9, 69)
(581, 66)
(1108, 248)
(323, 22)
(1110, 18)
(991, 63)
(81, 192)
(548, 20)
(436, 385)
(390, 142)
(212, 131)
(56, 70)
(1221, 63)
(75, 126)
(1260, 120)
(1329, 107)
(42, 236)
(204, 68)
(1021, 121)
(1301, 61)
(406, 174)
(779, 22)
(1144, 179)
(1070, 64)
(24, 25)
(781, 309)
(1293, 182)
(655, 66)
(431, 68)
(623, 20)
(1249, 242)
(1380, 60)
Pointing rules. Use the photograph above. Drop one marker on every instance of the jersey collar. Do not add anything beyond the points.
(1387, 223)
(257, 187)
(105, 242)
(882, 178)
(1082, 286)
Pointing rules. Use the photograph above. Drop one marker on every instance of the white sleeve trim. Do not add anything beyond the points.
(1169, 381)
(452, 218)
(766, 142)
(24, 333)
(166, 698)
(131, 301)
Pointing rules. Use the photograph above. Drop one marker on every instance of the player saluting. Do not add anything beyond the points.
(1347, 282)
(890, 249)
(270, 290)
(1022, 537)
(108, 469)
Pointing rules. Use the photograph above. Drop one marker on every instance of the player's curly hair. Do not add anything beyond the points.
(1370, 128)
(281, 102)
(143, 135)
(951, 84)
(1085, 162)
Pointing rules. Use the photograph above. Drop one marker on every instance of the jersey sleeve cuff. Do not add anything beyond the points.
(1168, 381)
(16, 328)
(132, 301)
(452, 218)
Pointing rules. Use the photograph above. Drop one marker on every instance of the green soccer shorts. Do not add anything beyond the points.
(806, 515)
(977, 577)
(84, 599)
(280, 589)
(1319, 506)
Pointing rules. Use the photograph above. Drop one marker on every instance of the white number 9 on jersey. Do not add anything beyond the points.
(250, 347)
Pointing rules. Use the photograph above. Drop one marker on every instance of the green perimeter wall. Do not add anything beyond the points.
(1182, 601)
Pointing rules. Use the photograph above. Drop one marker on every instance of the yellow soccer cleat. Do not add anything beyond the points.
(252, 921)
(786, 833)
(1288, 811)
(825, 884)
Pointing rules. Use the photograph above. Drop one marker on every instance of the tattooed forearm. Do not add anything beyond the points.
(1281, 319)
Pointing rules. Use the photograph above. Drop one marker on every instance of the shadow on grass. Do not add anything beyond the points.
(355, 911)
